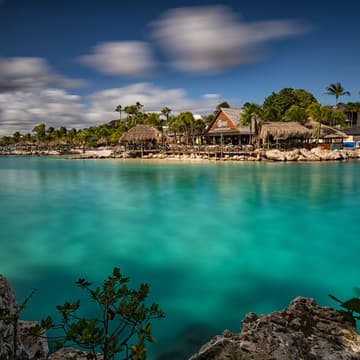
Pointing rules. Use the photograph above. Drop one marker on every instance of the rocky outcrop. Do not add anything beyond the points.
(304, 330)
(13, 336)
(70, 353)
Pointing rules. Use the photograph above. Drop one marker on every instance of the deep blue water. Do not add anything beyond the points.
(214, 240)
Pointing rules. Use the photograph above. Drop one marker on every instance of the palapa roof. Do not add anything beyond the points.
(283, 130)
(326, 132)
(141, 133)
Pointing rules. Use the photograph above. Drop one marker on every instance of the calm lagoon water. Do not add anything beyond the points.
(214, 240)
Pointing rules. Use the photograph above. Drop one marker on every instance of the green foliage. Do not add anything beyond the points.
(351, 306)
(276, 105)
(295, 113)
(336, 90)
(223, 104)
(124, 325)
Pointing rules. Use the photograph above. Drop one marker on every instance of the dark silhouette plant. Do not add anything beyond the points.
(351, 306)
(123, 327)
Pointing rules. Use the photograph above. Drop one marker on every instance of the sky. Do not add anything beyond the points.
(71, 62)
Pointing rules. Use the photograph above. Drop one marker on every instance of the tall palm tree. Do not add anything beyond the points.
(166, 112)
(251, 116)
(119, 109)
(336, 90)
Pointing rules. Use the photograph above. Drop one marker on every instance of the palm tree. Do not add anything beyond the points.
(119, 109)
(251, 116)
(336, 90)
(166, 112)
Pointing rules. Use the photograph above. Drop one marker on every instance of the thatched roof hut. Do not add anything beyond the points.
(281, 130)
(326, 132)
(141, 133)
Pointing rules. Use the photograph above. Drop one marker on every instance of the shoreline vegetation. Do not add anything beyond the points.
(198, 153)
(290, 125)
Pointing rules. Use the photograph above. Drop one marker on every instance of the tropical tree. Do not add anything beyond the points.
(40, 131)
(336, 90)
(295, 113)
(317, 113)
(252, 115)
(123, 326)
(119, 109)
(223, 104)
(277, 104)
(166, 112)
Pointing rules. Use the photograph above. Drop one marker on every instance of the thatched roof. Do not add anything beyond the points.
(326, 132)
(281, 130)
(141, 133)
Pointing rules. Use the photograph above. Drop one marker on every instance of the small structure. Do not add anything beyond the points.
(142, 135)
(280, 131)
(328, 137)
(226, 128)
(353, 133)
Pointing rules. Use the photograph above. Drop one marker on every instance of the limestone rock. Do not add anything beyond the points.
(70, 353)
(304, 330)
(292, 155)
(275, 155)
(27, 348)
(308, 155)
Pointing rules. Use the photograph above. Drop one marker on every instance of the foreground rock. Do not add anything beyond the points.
(13, 332)
(70, 353)
(302, 331)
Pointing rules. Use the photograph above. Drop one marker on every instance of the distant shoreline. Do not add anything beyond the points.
(276, 155)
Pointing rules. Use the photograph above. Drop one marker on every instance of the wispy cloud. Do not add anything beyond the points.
(21, 110)
(17, 73)
(212, 39)
(129, 58)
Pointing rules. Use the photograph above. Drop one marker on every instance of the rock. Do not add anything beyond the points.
(27, 348)
(35, 347)
(304, 330)
(292, 155)
(308, 155)
(70, 353)
(275, 155)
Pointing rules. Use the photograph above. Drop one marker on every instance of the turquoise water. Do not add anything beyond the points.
(214, 240)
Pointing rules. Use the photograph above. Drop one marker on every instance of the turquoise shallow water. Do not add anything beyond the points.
(213, 240)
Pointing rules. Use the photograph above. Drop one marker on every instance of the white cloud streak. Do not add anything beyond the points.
(128, 58)
(212, 39)
(25, 72)
(22, 110)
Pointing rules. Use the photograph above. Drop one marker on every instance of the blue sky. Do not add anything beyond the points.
(71, 62)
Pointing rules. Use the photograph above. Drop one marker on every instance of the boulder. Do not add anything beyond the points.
(292, 155)
(70, 353)
(275, 155)
(308, 155)
(304, 330)
(13, 331)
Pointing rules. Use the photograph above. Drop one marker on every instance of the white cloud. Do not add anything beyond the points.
(130, 58)
(24, 72)
(152, 97)
(21, 110)
(212, 39)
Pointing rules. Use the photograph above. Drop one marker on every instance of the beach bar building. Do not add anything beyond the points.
(283, 134)
(226, 128)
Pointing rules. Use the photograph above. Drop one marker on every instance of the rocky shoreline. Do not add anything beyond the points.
(304, 330)
(315, 154)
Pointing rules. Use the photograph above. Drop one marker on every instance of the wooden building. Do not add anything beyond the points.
(226, 128)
